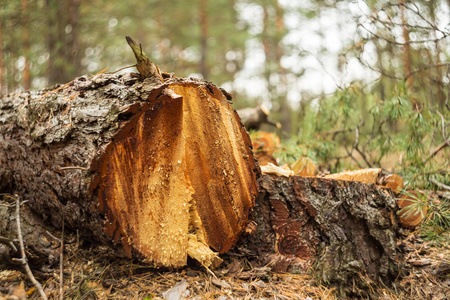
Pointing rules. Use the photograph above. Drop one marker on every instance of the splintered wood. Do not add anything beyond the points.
(178, 177)
(371, 176)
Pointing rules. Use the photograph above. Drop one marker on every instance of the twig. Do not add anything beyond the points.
(335, 132)
(73, 168)
(211, 272)
(393, 42)
(123, 69)
(61, 265)
(23, 260)
(425, 68)
(349, 154)
(444, 136)
(7, 241)
(52, 236)
(438, 148)
(441, 185)
(355, 146)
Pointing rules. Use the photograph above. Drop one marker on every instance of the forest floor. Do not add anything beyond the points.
(95, 273)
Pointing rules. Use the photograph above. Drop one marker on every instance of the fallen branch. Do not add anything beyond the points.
(441, 185)
(23, 260)
(438, 148)
(61, 266)
(355, 146)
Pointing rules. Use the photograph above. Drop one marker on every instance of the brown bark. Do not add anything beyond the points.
(338, 230)
(169, 166)
(166, 171)
(41, 246)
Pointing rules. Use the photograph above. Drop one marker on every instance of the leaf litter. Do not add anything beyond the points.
(98, 273)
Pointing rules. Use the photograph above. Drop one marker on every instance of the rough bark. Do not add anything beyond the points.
(164, 168)
(337, 230)
(42, 247)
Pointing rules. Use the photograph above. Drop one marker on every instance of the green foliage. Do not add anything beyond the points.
(436, 214)
(419, 206)
(395, 134)
(71, 38)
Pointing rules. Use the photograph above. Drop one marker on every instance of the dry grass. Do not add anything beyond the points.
(95, 273)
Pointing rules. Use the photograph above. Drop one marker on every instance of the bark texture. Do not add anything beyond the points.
(336, 229)
(166, 170)
(42, 247)
(163, 169)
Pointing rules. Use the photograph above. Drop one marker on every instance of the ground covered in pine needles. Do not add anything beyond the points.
(95, 273)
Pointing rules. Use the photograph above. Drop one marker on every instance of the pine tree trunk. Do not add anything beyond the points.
(160, 169)
(166, 171)
(338, 230)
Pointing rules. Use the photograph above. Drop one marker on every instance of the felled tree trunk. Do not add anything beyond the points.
(164, 169)
(341, 231)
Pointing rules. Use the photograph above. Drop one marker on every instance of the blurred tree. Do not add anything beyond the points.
(63, 42)
(2, 54)
(272, 39)
(10, 18)
(26, 78)
(203, 18)
(410, 40)
(55, 41)
(401, 120)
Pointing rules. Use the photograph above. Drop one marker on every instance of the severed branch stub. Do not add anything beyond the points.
(144, 65)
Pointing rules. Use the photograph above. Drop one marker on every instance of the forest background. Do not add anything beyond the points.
(354, 84)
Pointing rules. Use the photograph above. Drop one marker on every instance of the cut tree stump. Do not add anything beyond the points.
(340, 231)
(164, 169)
